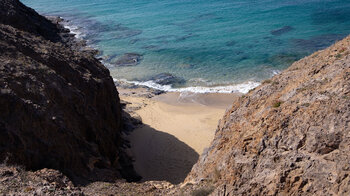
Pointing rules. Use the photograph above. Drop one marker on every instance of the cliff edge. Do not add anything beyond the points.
(289, 136)
(59, 107)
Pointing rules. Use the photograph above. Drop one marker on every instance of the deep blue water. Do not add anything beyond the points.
(204, 43)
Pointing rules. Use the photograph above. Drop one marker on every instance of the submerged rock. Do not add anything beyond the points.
(231, 43)
(283, 59)
(282, 30)
(167, 79)
(316, 42)
(185, 37)
(332, 15)
(128, 59)
(150, 47)
(123, 32)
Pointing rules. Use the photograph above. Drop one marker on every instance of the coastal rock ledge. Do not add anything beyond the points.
(289, 136)
(59, 107)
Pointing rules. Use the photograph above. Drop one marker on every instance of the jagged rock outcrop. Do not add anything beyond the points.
(59, 107)
(19, 16)
(16, 181)
(289, 136)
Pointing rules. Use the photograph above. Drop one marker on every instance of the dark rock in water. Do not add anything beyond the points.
(283, 59)
(127, 34)
(150, 47)
(59, 106)
(329, 15)
(122, 32)
(157, 92)
(238, 52)
(128, 59)
(190, 35)
(133, 41)
(167, 79)
(109, 58)
(165, 38)
(273, 40)
(242, 58)
(282, 30)
(317, 42)
(231, 43)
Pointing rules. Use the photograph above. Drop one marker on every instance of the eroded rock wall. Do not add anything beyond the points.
(290, 135)
(59, 107)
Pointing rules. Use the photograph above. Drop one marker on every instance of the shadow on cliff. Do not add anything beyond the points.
(161, 156)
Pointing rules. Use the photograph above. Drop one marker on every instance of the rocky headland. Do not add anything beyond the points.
(59, 106)
(289, 136)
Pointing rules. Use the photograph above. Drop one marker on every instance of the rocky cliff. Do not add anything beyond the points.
(59, 107)
(290, 135)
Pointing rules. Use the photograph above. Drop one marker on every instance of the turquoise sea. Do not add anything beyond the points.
(203, 46)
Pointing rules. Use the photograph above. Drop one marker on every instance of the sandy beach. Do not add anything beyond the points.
(176, 129)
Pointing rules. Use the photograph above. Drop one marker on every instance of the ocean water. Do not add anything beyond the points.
(202, 46)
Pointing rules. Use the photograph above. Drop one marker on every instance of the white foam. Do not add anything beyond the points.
(74, 30)
(275, 72)
(242, 88)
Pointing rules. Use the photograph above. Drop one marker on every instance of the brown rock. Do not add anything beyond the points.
(290, 136)
(59, 107)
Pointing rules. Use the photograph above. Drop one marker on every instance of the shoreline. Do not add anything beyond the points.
(176, 128)
(76, 37)
(223, 89)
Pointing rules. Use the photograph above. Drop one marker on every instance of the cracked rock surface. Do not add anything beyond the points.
(59, 106)
(290, 135)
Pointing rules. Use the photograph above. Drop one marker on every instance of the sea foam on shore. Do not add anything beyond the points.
(240, 88)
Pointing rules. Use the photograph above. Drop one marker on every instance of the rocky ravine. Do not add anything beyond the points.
(289, 136)
(59, 107)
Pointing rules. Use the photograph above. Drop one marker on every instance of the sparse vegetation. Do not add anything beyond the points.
(217, 175)
(305, 104)
(267, 81)
(28, 189)
(301, 89)
(342, 49)
(276, 104)
(202, 191)
(345, 97)
(338, 56)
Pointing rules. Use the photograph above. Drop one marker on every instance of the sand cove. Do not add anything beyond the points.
(176, 129)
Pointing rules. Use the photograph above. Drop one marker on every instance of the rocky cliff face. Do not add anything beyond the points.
(17, 15)
(290, 135)
(59, 107)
